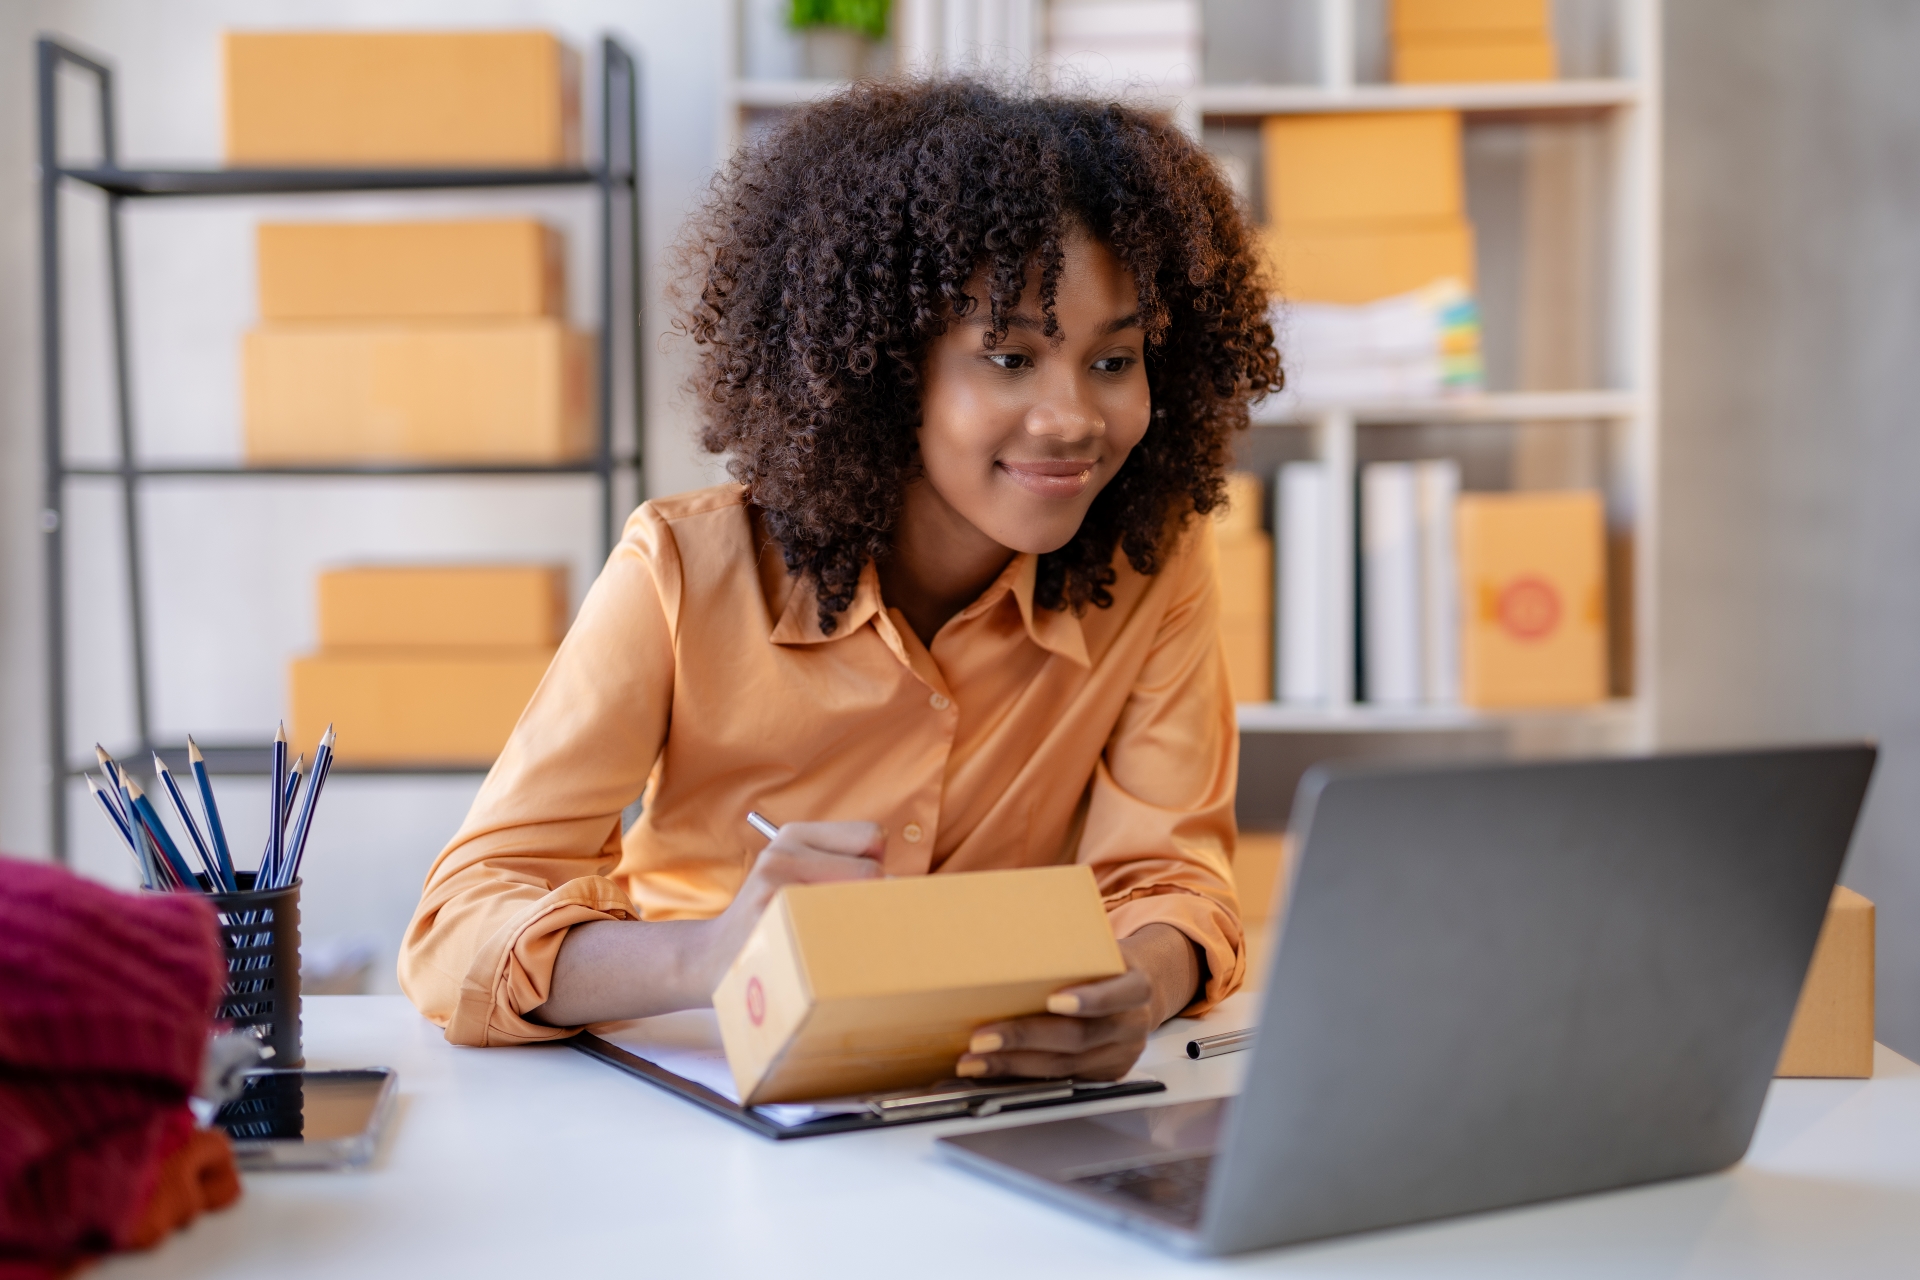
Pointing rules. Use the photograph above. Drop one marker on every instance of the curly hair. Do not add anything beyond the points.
(834, 249)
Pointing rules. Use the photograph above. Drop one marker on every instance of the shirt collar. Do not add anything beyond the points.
(1058, 631)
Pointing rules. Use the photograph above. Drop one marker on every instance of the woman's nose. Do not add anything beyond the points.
(1066, 412)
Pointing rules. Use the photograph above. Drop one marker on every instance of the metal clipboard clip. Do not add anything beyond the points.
(966, 1100)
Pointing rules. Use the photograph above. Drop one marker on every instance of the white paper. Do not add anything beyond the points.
(688, 1044)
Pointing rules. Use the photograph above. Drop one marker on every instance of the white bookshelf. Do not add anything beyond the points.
(1620, 98)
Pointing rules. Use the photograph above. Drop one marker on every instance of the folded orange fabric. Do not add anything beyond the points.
(106, 1004)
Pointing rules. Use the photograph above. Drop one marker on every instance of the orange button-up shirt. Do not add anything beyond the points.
(697, 672)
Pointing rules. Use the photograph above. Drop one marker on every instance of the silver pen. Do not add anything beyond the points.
(761, 825)
(1225, 1042)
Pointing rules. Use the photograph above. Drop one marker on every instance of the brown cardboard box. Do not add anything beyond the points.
(879, 984)
(1451, 60)
(1260, 875)
(1371, 166)
(478, 391)
(1364, 262)
(1533, 598)
(415, 706)
(1453, 17)
(1245, 566)
(443, 606)
(1832, 1031)
(448, 98)
(496, 269)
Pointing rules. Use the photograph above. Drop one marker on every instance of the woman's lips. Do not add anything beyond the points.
(1050, 478)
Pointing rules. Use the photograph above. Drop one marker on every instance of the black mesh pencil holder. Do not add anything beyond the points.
(260, 929)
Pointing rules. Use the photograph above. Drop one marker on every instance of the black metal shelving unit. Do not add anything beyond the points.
(614, 183)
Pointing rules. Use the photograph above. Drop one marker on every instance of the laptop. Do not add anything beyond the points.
(1493, 985)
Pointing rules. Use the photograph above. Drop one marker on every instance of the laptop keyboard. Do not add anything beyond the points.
(1173, 1189)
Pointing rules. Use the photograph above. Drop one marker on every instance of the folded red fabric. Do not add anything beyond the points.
(106, 1003)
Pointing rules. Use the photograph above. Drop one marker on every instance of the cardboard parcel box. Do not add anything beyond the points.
(485, 606)
(415, 706)
(494, 268)
(456, 98)
(878, 984)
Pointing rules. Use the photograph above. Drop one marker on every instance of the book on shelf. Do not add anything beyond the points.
(1302, 664)
(1409, 580)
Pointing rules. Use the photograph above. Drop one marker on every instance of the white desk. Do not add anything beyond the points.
(543, 1162)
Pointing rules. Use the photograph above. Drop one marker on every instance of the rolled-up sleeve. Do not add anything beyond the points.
(535, 855)
(1159, 831)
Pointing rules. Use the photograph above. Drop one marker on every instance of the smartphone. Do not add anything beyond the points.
(308, 1119)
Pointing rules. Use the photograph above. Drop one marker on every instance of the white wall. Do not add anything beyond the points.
(232, 564)
(1790, 596)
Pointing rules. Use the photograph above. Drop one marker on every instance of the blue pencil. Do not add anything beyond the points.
(179, 803)
(155, 871)
(157, 830)
(215, 828)
(276, 814)
(119, 824)
(279, 855)
(322, 765)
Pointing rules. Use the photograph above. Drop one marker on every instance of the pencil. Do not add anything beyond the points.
(120, 825)
(276, 815)
(762, 825)
(322, 765)
(156, 870)
(157, 831)
(215, 829)
(179, 803)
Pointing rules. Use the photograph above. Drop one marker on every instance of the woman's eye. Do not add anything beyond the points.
(1009, 360)
(1114, 364)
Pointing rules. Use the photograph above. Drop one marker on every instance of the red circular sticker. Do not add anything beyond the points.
(1529, 608)
(756, 1002)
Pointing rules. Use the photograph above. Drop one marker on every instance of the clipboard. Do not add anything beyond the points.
(883, 1110)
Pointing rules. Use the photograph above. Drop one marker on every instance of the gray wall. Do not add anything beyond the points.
(1790, 591)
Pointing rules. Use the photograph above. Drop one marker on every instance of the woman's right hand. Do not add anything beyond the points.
(613, 969)
(802, 853)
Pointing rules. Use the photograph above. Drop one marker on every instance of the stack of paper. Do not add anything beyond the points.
(1416, 345)
(1409, 583)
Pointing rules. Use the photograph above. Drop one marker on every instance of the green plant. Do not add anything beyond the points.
(868, 17)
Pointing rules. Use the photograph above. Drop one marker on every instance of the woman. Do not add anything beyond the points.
(975, 361)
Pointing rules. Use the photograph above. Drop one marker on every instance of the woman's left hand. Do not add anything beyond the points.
(1097, 1030)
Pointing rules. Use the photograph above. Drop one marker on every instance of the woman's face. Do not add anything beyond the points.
(1019, 440)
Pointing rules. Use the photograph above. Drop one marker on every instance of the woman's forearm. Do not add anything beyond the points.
(608, 970)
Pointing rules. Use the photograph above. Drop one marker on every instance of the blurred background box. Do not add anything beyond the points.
(500, 268)
(1533, 598)
(1361, 262)
(1463, 41)
(452, 98)
(1446, 60)
(443, 606)
(1362, 167)
(414, 706)
(473, 391)
(1245, 566)
(1832, 1030)
(1462, 17)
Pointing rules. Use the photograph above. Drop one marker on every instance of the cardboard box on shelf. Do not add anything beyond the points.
(1455, 17)
(878, 984)
(1374, 166)
(1260, 875)
(414, 706)
(478, 99)
(480, 391)
(1832, 1030)
(1533, 598)
(443, 606)
(501, 268)
(1244, 565)
(1354, 263)
(1450, 60)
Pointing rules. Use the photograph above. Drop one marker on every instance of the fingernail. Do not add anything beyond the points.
(986, 1042)
(971, 1067)
(1064, 1002)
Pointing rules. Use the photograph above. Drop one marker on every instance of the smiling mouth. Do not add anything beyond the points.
(1051, 478)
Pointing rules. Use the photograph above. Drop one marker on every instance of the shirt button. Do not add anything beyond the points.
(940, 702)
(912, 832)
